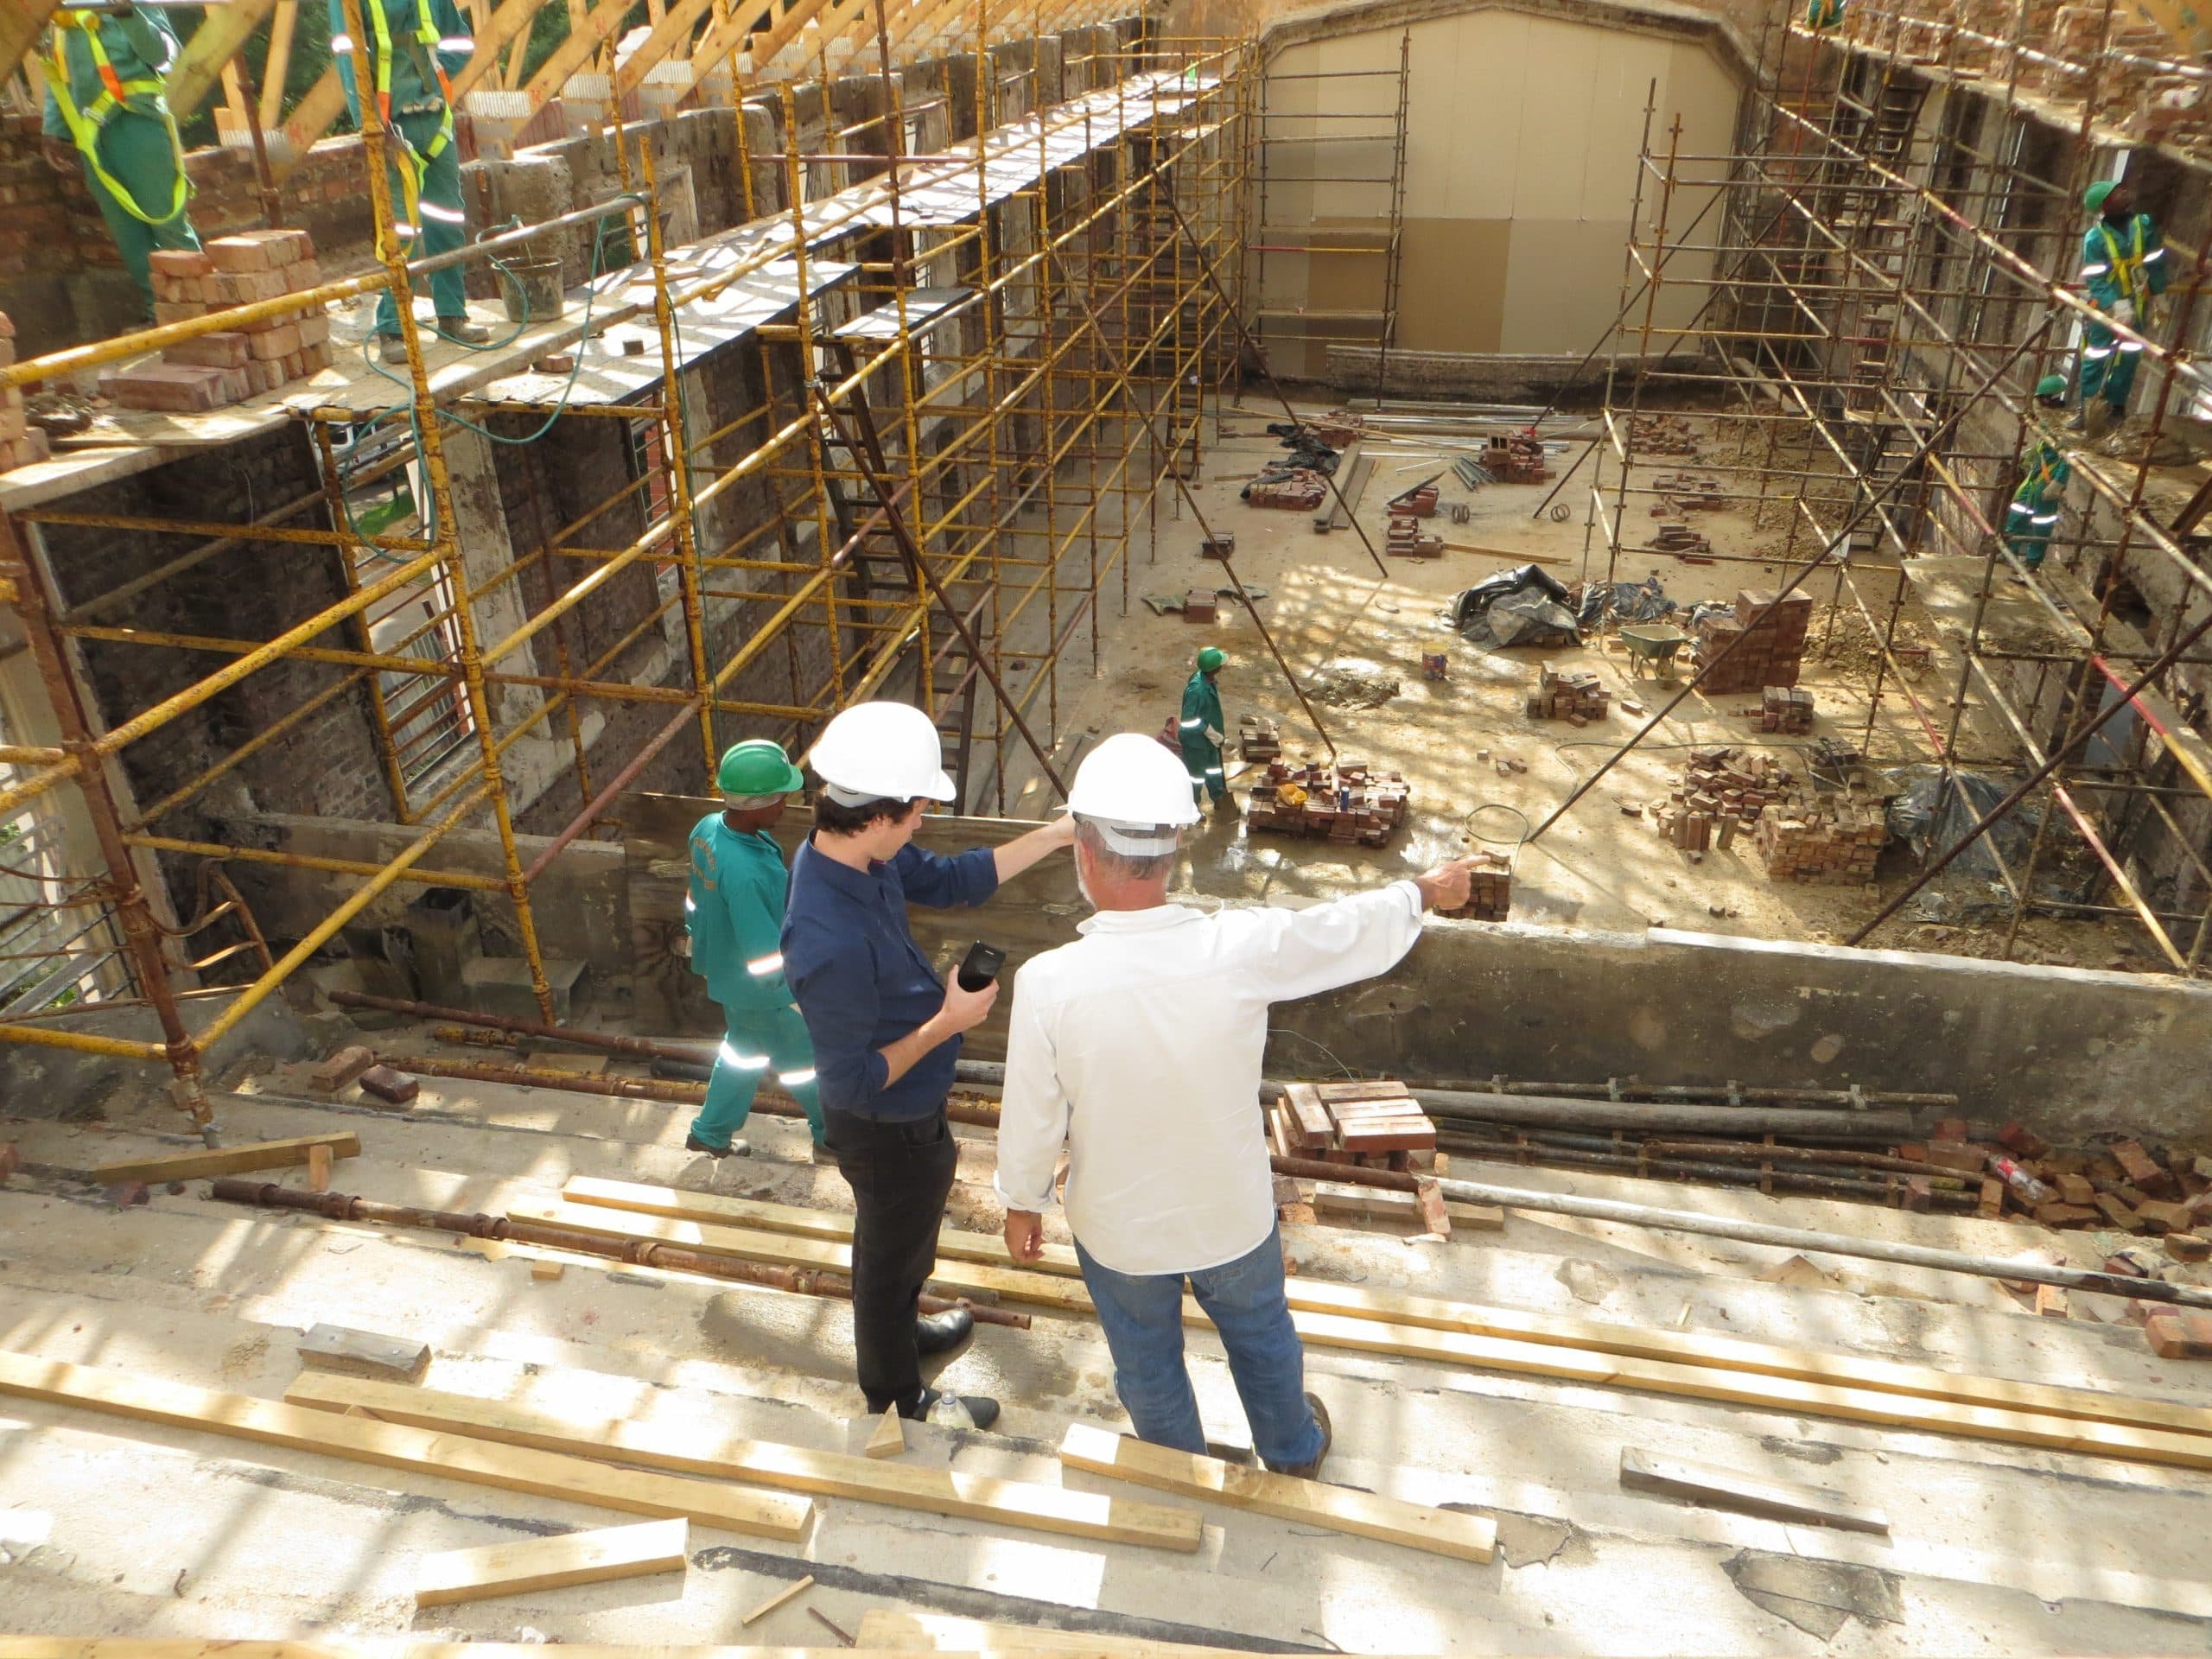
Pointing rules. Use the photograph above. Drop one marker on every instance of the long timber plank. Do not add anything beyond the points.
(1287, 1497)
(894, 1627)
(764, 1462)
(1397, 1307)
(1371, 1333)
(451, 1576)
(226, 1160)
(392, 1446)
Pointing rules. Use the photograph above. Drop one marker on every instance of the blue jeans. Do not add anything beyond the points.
(757, 1044)
(1142, 1317)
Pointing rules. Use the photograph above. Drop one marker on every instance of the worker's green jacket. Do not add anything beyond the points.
(2126, 263)
(1201, 713)
(735, 912)
(423, 36)
(140, 45)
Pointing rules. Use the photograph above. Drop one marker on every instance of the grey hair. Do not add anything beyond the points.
(1092, 833)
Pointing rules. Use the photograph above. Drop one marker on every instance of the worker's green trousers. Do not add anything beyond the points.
(134, 150)
(2107, 366)
(444, 221)
(757, 1045)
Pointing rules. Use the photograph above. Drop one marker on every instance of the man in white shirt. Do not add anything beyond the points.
(1139, 1048)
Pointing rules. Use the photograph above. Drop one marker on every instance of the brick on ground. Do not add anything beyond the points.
(2179, 1333)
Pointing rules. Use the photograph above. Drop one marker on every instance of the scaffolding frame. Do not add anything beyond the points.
(944, 479)
(1897, 252)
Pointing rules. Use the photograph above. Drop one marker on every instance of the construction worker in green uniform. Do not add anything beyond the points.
(2033, 514)
(735, 915)
(105, 112)
(2124, 264)
(1200, 730)
(413, 46)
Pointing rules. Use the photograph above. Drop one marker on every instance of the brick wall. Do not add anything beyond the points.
(328, 765)
(60, 278)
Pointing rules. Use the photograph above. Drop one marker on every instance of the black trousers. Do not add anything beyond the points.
(900, 1174)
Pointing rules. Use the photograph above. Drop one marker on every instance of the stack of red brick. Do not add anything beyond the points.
(1490, 889)
(1261, 737)
(256, 357)
(1403, 539)
(1300, 490)
(1420, 502)
(1575, 695)
(1785, 709)
(1772, 632)
(1821, 838)
(20, 444)
(1516, 460)
(1348, 804)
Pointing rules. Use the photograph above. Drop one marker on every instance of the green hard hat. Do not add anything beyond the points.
(2094, 197)
(2051, 385)
(758, 766)
(1210, 658)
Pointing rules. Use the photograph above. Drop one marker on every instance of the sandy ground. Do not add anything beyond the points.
(1329, 606)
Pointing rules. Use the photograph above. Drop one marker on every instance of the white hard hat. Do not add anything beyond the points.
(882, 751)
(1129, 784)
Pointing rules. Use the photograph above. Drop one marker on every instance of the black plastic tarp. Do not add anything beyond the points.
(1522, 607)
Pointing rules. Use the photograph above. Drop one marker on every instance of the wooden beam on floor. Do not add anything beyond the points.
(225, 1160)
(451, 1576)
(393, 1446)
(1398, 1307)
(702, 1449)
(1287, 1497)
(893, 1627)
(1363, 1328)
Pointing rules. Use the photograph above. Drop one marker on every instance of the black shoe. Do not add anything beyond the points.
(1312, 1470)
(735, 1149)
(940, 1334)
(983, 1409)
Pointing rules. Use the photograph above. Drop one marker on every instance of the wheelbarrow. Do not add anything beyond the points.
(1651, 648)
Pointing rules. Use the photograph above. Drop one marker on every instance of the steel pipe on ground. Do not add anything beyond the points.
(1759, 1232)
(341, 1206)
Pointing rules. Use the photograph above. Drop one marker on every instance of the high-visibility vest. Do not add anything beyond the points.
(409, 160)
(85, 124)
(2130, 273)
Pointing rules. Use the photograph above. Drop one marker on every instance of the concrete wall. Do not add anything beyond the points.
(2069, 1050)
(1524, 128)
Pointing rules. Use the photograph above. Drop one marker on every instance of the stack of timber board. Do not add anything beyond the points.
(1371, 1123)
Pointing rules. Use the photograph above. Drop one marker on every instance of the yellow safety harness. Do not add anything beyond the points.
(85, 125)
(2127, 273)
(409, 160)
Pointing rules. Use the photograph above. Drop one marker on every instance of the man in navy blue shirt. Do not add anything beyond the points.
(886, 1030)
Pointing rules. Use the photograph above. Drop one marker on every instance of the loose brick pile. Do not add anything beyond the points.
(1787, 708)
(1518, 459)
(1261, 738)
(1682, 542)
(1684, 493)
(1723, 789)
(1575, 695)
(1772, 631)
(1301, 491)
(1662, 435)
(21, 443)
(1303, 801)
(1490, 889)
(1820, 838)
(2123, 1186)
(1419, 502)
(257, 357)
(1374, 1124)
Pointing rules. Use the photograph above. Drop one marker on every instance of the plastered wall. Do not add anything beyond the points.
(1522, 135)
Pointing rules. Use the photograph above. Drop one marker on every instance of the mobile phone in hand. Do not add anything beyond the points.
(981, 966)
